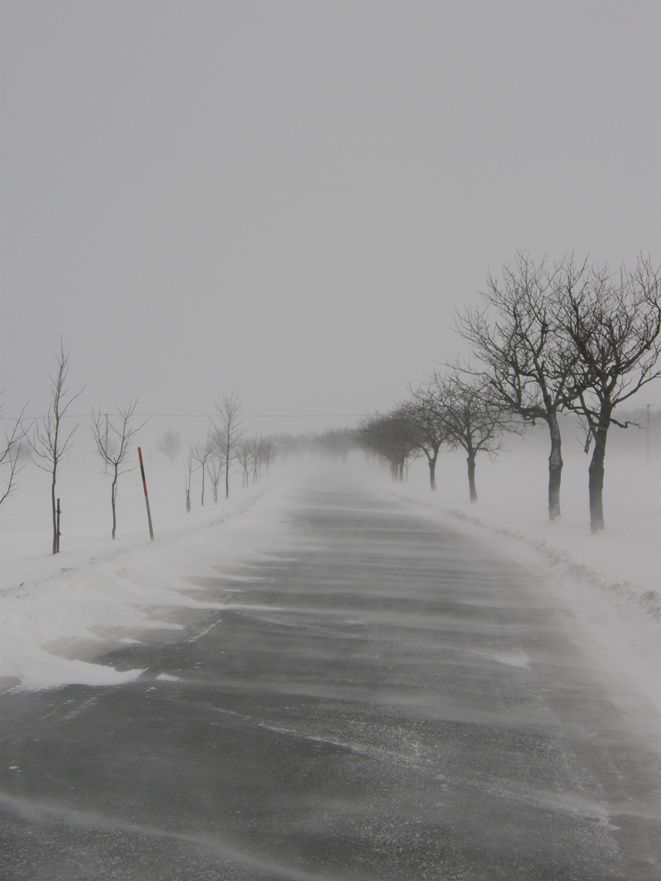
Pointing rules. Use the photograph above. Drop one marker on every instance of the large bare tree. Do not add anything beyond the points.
(524, 359)
(112, 435)
(613, 322)
(229, 432)
(49, 441)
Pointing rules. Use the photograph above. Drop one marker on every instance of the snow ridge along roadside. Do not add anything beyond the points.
(619, 618)
(54, 612)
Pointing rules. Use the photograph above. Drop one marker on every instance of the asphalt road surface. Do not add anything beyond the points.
(389, 701)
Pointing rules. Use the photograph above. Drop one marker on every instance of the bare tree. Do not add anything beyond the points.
(10, 455)
(228, 433)
(170, 444)
(262, 451)
(256, 457)
(243, 455)
(269, 450)
(202, 453)
(425, 415)
(250, 453)
(189, 476)
(215, 470)
(391, 438)
(48, 442)
(525, 361)
(112, 436)
(614, 323)
(472, 420)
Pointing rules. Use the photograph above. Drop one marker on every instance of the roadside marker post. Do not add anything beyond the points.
(144, 488)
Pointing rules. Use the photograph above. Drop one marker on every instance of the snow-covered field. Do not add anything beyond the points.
(611, 580)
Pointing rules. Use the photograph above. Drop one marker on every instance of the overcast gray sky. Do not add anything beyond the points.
(289, 198)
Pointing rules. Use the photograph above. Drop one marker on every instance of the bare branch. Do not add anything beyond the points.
(10, 453)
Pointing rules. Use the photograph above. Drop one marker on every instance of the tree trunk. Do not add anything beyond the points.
(227, 477)
(202, 494)
(472, 491)
(431, 460)
(596, 478)
(113, 504)
(555, 467)
(56, 537)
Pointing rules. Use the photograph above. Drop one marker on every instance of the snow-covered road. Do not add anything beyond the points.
(382, 698)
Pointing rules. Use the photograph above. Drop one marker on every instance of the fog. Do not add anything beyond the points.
(288, 200)
(321, 669)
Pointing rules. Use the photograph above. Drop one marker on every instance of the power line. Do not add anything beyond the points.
(207, 416)
(258, 415)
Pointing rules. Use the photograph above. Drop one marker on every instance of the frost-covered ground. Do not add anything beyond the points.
(611, 580)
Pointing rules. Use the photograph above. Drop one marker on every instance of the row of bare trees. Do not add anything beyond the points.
(548, 338)
(224, 446)
(48, 441)
(568, 337)
(447, 410)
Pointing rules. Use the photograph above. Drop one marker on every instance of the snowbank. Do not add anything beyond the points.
(55, 611)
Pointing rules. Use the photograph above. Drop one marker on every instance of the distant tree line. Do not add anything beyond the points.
(547, 338)
(224, 446)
